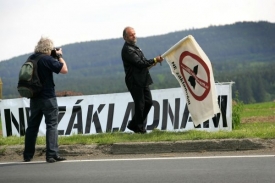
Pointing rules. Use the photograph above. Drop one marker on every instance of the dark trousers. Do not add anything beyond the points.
(38, 108)
(143, 102)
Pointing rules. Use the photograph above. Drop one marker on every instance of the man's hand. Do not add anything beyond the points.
(59, 51)
(159, 59)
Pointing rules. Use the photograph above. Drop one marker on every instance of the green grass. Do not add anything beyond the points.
(259, 109)
(263, 130)
(251, 130)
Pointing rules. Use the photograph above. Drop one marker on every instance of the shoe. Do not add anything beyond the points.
(136, 129)
(132, 128)
(59, 158)
(27, 159)
(50, 160)
(55, 159)
(142, 131)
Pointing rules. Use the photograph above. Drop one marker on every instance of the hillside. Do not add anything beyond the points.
(236, 51)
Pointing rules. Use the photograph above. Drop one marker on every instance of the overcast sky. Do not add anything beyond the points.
(23, 22)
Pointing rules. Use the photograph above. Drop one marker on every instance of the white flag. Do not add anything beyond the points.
(193, 70)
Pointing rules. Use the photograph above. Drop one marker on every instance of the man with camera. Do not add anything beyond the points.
(45, 104)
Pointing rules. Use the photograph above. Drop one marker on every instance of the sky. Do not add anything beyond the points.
(24, 22)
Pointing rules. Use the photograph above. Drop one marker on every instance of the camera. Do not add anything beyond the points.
(53, 53)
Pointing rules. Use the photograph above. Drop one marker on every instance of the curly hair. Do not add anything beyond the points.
(44, 45)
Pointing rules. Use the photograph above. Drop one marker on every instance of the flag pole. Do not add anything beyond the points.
(175, 46)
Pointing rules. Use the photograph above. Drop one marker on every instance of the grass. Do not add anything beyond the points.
(263, 130)
(250, 130)
(259, 109)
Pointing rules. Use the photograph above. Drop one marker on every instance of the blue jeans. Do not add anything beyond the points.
(38, 108)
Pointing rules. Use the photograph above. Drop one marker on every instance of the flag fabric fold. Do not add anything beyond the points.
(192, 68)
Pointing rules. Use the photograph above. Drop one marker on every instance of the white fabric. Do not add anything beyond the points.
(193, 70)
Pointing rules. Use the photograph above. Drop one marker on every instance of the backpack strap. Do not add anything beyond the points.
(36, 59)
(39, 56)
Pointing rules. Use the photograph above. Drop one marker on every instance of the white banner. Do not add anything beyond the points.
(193, 70)
(93, 114)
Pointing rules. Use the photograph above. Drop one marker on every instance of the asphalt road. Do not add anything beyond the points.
(177, 169)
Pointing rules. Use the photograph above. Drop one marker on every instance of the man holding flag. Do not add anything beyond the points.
(137, 79)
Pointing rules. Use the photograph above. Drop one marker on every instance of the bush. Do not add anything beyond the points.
(236, 112)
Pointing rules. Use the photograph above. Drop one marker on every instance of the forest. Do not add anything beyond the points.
(243, 52)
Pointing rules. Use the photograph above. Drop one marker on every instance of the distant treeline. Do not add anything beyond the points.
(243, 52)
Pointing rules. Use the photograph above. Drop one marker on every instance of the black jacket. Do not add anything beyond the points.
(135, 66)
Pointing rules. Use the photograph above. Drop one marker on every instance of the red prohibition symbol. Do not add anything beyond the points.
(204, 84)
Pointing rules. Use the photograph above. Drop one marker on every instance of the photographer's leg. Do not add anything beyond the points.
(32, 129)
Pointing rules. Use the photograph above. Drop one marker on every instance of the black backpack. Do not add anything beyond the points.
(29, 84)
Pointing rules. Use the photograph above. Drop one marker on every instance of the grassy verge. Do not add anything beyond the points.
(258, 110)
(259, 129)
(251, 130)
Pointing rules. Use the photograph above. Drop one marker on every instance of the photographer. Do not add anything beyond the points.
(45, 103)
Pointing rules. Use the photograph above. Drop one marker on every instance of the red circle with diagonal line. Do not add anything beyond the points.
(204, 84)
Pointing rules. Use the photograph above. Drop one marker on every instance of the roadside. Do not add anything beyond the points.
(141, 149)
(154, 149)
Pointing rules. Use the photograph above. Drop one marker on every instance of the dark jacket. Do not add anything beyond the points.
(135, 66)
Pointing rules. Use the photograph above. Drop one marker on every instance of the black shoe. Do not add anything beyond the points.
(27, 159)
(132, 128)
(55, 159)
(59, 158)
(50, 160)
(139, 130)
(142, 131)
(136, 129)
